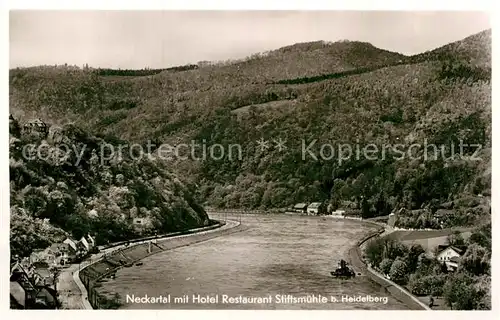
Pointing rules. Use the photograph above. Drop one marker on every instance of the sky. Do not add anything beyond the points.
(160, 39)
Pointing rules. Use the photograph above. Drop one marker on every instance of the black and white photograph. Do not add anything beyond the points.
(250, 160)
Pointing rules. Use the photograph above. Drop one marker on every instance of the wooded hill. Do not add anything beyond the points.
(342, 92)
(56, 192)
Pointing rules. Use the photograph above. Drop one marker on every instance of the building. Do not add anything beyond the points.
(141, 224)
(391, 222)
(37, 255)
(22, 289)
(42, 275)
(46, 298)
(338, 213)
(72, 243)
(91, 240)
(17, 296)
(393, 217)
(79, 247)
(449, 255)
(300, 208)
(316, 208)
(452, 264)
(139, 221)
(64, 253)
(30, 287)
(329, 208)
(55, 254)
(85, 244)
(36, 126)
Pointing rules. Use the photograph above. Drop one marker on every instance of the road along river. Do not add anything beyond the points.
(279, 262)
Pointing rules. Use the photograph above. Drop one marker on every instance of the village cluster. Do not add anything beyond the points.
(316, 208)
(33, 279)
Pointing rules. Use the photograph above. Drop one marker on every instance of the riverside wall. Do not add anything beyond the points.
(355, 256)
(123, 255)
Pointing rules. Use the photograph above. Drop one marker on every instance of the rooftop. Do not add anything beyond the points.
(457, 249)
(314, 205)
(36, 122)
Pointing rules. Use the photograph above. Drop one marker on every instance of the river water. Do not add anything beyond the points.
(280, 258)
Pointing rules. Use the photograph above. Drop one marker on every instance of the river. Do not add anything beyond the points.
(280, 258)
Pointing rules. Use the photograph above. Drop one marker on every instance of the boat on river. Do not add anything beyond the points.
(343, 271)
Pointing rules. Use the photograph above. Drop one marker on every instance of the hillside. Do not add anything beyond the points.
(331, 93)
(64, 181)
(476, 49)
(75, 91)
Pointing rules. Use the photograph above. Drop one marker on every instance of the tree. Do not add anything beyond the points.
(336, 193)
(412, 258)
(460, 294)
(482, 238)
(374, 250)
(385, 265)
(394, 249)
(426, 285)
(416, 285)
(36, 201)
(483, 287)
(424, 264)
(399, 272)
(476, 260)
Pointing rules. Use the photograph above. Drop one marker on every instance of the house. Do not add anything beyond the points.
(55, 254)
(37, 255)
(393, 217)
(79, 247)
(316, 208)
(329, 208)
(91, 241)
(391, 222)
(449, 255)
(139, 221)
(300, 208)
(142, 223)
(452, 264)
(71, 243)
(46, 298)
(36, 126)
(338, 213)
(17, 296)
(22, 289)
(64, 253)
(42, 275)
(30, 287)
(353, 214)
(84, 244)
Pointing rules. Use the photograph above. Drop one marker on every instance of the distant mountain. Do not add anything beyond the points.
(314, 58)
(476, 49)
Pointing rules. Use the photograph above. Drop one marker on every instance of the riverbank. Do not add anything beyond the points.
(355, 258)
(260, 262)
(277, 254)
(79, 281)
